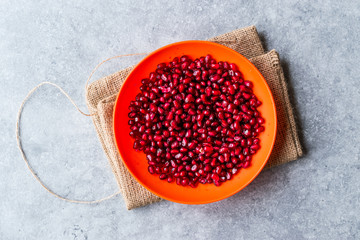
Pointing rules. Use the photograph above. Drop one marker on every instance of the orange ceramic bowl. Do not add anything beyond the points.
(136, 161)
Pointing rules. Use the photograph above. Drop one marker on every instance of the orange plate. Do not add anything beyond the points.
(136, 161)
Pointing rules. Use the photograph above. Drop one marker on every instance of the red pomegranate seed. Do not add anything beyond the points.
(215, 177)
(246, 164)
(196, 120)
(162, 176)
(185, 181)
(151, 169)
(207, 168)
(218, 169)
(217, 183)
(194, 167)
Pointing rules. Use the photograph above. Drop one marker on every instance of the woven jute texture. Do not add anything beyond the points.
(102, 93)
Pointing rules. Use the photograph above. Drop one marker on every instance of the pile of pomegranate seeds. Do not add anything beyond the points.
(196, 121)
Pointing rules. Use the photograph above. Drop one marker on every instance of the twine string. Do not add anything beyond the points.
(18, 138)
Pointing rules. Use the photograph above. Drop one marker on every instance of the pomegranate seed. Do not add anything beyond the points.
(218, 169)
(185, 181)
(246, 164)
(234, 160)
(194, 168)
(229, 165)
(215, 177)
(255, 147)
(217, 183)
(151, 169)
(207, 168)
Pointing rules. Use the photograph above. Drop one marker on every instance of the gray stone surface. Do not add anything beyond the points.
(316, 197)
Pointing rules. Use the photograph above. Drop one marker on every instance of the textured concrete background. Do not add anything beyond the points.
(316, 197)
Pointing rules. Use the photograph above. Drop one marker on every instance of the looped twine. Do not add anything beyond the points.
(18, 138)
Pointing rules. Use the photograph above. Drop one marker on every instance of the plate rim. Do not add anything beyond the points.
(225, 195)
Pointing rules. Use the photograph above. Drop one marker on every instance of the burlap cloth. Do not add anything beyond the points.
(102, 93)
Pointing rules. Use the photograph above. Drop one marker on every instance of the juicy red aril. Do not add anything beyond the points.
(215, 177)
(185, 181)
(151, 169)
(196, 120)
(162, 176)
